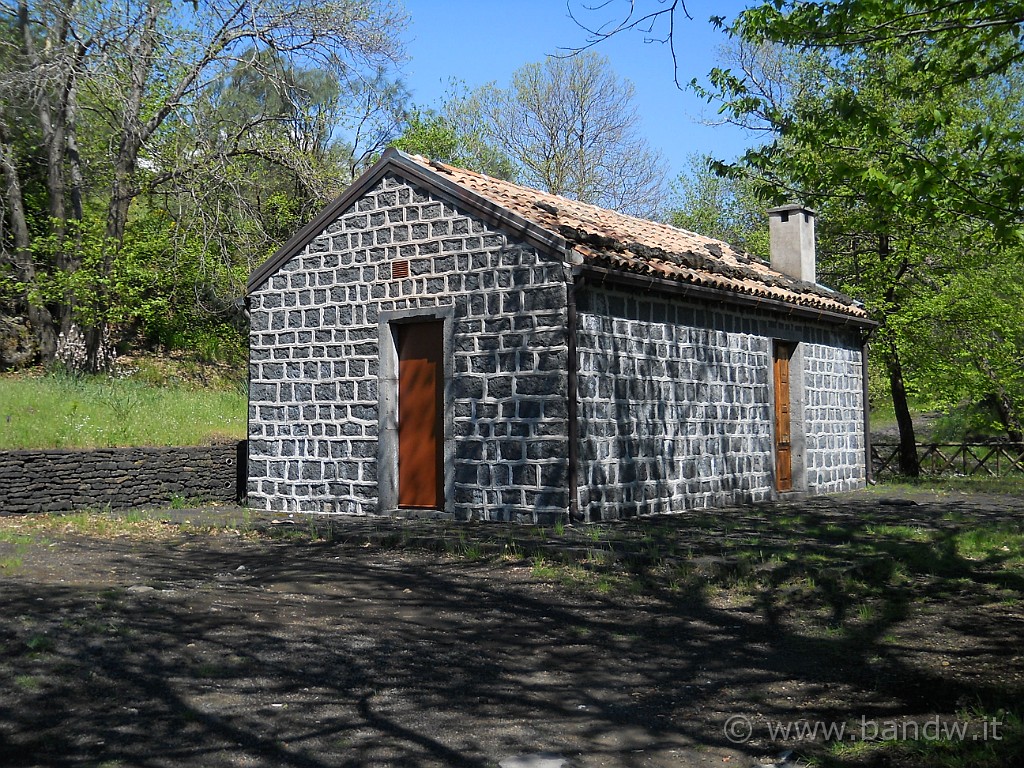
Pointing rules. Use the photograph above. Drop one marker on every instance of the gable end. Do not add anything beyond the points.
(402, 165)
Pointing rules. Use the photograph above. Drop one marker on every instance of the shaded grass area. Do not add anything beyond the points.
(982, 739)
(55, 411)
(949, 485)
(13, 547)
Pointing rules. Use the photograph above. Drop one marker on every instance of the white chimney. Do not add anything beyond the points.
(791, 237)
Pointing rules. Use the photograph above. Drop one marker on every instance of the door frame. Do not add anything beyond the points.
(387, 407)
(782, 361)
(797, 401)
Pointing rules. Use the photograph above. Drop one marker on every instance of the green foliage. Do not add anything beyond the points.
(10, 288)
(453, 134)
(965, 341)
(904, 178)
(178, 295)
(984, 35)
(924, 56)
(429, 134)
(723, 207)
(160, 288)
(282, 215)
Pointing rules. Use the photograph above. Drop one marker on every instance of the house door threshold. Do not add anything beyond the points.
(422, 513)
(792, 495)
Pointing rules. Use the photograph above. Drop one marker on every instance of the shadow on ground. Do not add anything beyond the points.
(356, 643)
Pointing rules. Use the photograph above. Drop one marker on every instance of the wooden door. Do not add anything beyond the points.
(783, 437)
(420, 410)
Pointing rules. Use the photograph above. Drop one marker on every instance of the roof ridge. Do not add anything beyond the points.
(453, 170)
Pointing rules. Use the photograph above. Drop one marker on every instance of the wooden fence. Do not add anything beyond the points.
(992, 459)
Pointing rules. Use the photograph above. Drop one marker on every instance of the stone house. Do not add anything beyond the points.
(438, 342)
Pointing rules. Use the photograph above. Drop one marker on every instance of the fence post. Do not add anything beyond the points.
(241, 470)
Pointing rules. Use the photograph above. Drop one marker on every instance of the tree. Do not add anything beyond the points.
(725, 207)
(40, 84)
(571, 127)
(448, 136)
(897, 224)
(429, 134)
(951, 43)
(146, 73)
(984, 35)
(257, 155)
(966, 336)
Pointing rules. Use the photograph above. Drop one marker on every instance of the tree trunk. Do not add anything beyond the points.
(1008, 416)
(909, 465)
(56, 109)
(39, 317)
(98, 355)
(71, 253)
(1005, 410)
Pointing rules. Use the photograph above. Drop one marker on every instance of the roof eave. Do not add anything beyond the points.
(676, 287)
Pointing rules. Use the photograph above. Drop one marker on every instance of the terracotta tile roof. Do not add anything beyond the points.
(602, 237)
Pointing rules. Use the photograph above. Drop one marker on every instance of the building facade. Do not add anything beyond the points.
(438, 342)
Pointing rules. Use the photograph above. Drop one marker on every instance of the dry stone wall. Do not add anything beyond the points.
(58, 481)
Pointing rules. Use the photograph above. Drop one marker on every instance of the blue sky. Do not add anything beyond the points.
(478, 41)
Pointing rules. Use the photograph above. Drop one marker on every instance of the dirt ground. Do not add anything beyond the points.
(679, 642)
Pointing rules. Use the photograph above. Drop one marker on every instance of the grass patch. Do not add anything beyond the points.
(14, 545)
(28, 683)
(59, 411)
(907, 532)
(1008, 485)
(977, 740)
(39, 644)
(1002, 544)
(544, 570)
(468, 550)
(25, 531)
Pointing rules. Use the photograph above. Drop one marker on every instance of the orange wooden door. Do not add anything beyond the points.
(783, 438)
(420, 426)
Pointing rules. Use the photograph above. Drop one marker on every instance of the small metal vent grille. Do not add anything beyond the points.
(399, 269)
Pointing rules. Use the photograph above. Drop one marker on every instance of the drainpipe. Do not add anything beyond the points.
(570, 298)
(869, 473)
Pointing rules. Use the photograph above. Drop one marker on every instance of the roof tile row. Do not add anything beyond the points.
(603, 237)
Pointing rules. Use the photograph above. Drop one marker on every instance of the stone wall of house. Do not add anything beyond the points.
(833, 417)
(59, 480)
(675, 405)
(315, 368)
